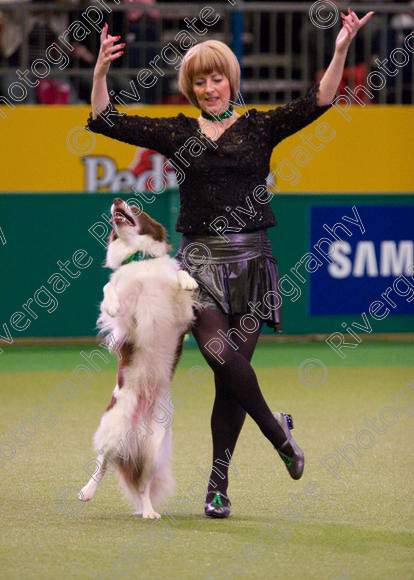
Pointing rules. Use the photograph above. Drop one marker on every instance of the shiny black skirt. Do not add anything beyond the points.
(238, 276)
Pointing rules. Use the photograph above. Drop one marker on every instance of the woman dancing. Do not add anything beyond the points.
(225, 157)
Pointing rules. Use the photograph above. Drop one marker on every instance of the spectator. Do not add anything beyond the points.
(43, 28)
(400, 24)
(143, 43)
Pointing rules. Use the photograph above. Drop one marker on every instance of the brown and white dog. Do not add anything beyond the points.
(147, 307)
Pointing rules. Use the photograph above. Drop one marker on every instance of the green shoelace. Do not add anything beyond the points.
(217, 500)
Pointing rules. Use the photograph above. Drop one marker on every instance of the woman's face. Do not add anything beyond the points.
(212, 91)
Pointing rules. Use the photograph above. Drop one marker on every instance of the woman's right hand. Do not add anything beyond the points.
(108, 52)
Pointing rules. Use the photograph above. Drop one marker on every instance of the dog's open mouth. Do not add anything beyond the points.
(121, 217)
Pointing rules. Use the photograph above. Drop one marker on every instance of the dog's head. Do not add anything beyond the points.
(134, 231)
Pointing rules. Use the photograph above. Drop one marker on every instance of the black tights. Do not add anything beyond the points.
(237, 389)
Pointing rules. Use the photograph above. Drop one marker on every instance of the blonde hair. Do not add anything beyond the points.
(204, 58)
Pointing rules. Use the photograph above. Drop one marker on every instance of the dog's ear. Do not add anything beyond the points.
(149, 227)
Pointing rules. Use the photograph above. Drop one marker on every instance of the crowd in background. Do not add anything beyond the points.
(144, 33)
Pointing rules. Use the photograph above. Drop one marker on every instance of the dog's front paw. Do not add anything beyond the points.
(185, 281)
(110, 303)
(111, 307)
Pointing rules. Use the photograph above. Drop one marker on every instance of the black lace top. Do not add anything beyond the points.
(222, 183)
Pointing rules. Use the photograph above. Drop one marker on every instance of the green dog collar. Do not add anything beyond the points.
(137, 257)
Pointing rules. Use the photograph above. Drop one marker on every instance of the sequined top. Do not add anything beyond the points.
(222, 183)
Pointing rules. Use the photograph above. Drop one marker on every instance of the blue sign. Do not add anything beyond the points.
(364, 255)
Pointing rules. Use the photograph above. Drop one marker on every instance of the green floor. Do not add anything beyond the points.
(359, 527)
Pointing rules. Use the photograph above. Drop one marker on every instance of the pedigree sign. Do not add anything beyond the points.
(47, 149)
(150, 171)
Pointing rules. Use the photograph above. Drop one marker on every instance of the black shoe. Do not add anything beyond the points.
(218, 506)
(289, 451)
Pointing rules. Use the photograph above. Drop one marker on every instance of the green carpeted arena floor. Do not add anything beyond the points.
(348, 517)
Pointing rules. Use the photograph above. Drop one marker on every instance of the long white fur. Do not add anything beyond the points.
(150, 305)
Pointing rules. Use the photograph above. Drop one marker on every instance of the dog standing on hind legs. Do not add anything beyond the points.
(148, 305)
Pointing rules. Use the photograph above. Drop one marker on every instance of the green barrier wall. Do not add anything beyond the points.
(41, 229)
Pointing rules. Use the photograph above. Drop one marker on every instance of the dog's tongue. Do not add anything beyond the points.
(118, 218)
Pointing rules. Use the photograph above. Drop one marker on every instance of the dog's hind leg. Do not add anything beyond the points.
(144, 496)
(137, 489)
(142, 486)
(88, 492)
(140, 483)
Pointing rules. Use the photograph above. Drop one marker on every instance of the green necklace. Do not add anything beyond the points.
(224, 115)
(136, 258)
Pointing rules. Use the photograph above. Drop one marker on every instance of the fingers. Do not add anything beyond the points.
(353, 16)
(115, 55)
(104, 32)
(113, 52)
(109, 42)
(112, 38)
(350, 22)
(114, 48)
(107, 38)
(346, 26)
(366, 18)
(109, 50)
(353, 19)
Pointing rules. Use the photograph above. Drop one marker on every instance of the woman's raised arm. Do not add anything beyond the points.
(330, 81)
(108, 52)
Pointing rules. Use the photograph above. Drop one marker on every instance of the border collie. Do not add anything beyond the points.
(148, 305)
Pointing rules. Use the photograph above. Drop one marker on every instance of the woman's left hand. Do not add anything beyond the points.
(350, 26)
